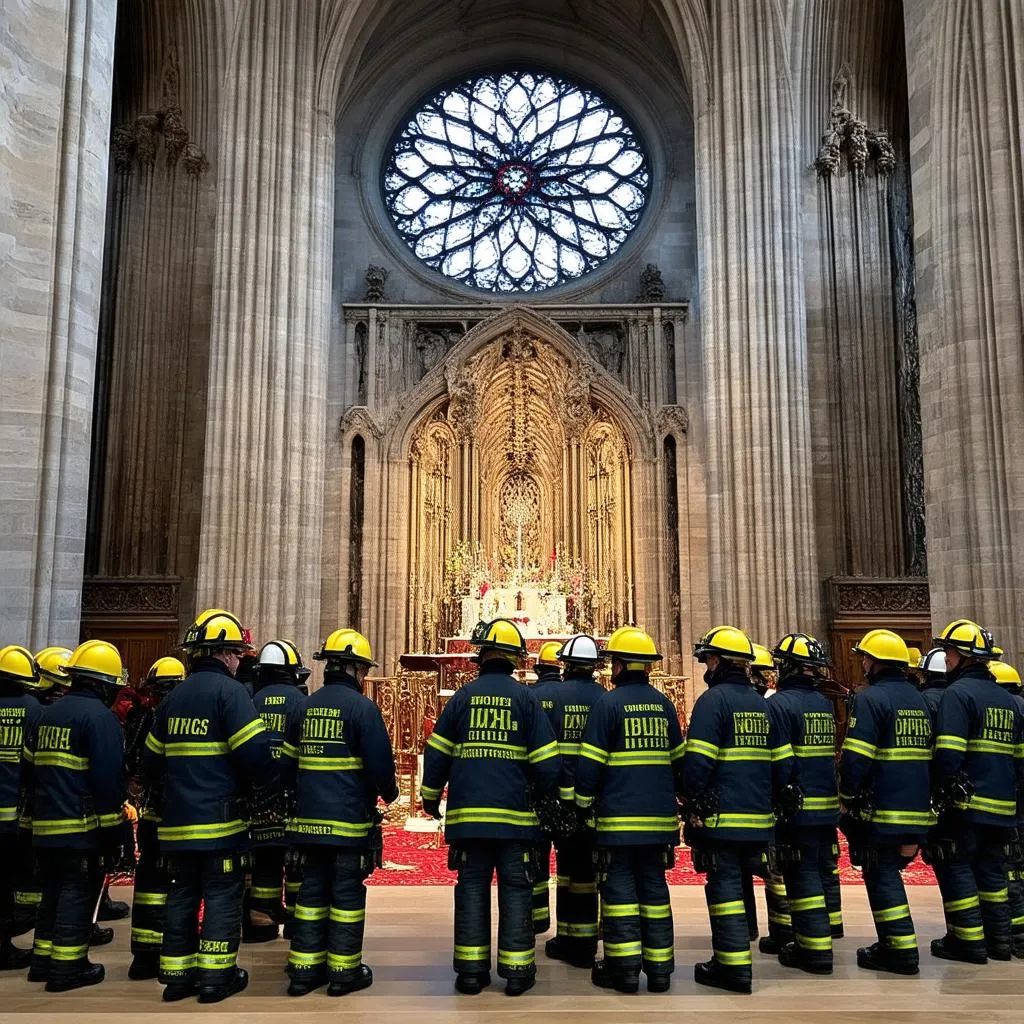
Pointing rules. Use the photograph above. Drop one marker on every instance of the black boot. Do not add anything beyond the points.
(769, 945)
(658, 982)
(472, 984)
(303, 986)
(950, 948)
(792, 956)
(363, 979)
(178, 990)
(216, 993)
(12, 958)
(570, 952)
(622, 981)
(519, 983)
(838, 931)
(101, 936)
(90, 974)
(112, 910)
(144, 967)
(875, 958)
(1000, 952)
(1017, 946)
(714, 976)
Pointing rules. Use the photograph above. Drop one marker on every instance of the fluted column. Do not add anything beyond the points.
(265, 439)
(54, 127)
(966, 81)
(762, 562)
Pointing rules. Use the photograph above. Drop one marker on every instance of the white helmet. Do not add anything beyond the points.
(283, 654)
(934, 662)
(581, 650)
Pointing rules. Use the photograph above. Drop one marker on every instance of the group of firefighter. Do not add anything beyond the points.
(245, 803)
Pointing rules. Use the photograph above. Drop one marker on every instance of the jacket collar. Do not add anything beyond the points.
(210, 665)
(633, 677)
(335, 678)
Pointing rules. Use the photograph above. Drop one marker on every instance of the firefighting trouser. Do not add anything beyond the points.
(970, 867)
(276, 880)
(70, 882)
(1015, 880)
(330, 913)
(833, 889)
(726, 864)
(149, 902)
(207, 955)
(635, 911)
(15, 876)
(882, 864)
(28, 892)
(805, 859)
(576, 894)
(477, 861)
(541, 885)
(780, 925)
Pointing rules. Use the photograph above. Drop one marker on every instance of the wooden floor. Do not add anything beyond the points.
(408, 946)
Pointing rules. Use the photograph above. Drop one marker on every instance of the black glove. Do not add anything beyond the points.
(432, 808)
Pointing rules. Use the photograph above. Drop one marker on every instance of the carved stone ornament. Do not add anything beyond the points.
(855, 594)
(358, 418)
(848, 139)
(577, 411)
(464, 404)
(673, 419)
(652, 286)
(127, 596)
(376, 278)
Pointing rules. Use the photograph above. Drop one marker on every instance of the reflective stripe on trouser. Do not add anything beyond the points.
(476, 861)
(576, 895)
(973, 883)
(149, 900)
(70, 884)
(217, 879)
(330, 913)
(780, 922)
(635, 910)
(541, 898)
(266, 892)
(811, 929)
(1015, 879)
(730, 938)
(829, 867)
(889, 908)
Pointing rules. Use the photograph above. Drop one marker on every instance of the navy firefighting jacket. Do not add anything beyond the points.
(886, 758)
(207, 746)
(495, 749)
(979, 731)
(280, 705)
(932, 693)
(575, 699)
(19, 716)
(342, 756)
(74, 768)
(734, 751)
(546, 690)
(805, 719)
(627, 768)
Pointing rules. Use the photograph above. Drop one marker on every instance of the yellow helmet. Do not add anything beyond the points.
(17, 663)
(499, 635)
(631, 643)
(548, 653)
(801, 648)
(51, 663)
(96, 659)
(166, 670)
(725, 641)
(1005, 675)
(215, 629)
(970, 639)
(763, 658)
(346, 645)
(883, 645)
(914, 654)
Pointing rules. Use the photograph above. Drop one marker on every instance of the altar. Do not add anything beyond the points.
(536, 610)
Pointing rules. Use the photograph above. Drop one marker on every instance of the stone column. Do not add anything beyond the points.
(966, 80)
(762, 563)
(265, 439)
(56, 64)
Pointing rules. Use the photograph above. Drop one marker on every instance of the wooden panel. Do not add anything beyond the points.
(140, 644)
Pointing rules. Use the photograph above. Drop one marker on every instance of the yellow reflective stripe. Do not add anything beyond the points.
(146, 936)
(904, 754)
(42, 947)
(726, 958)
(727, 909)
(740, 821)
(540, 888)
(306, 959)
(974, 933)
(440, 744)
(654, 911)
(807, 903)
(901, 941)
(814, 750)
(308, 763)
(702, 747)
(111, 820)
(324, 826)
(835, 917)
(650, 824)
(197, 748)
(620, 758)
(620, 909)
(992, 806)
(264, 892)
(594, 753)
(785, 919)
(658, 955)
(566, 793)
(289, 749)
(617, 949)
(539, 754)
(862, 747)
(28, 755)
(69, 952)
(153, 744)
(340, 916)
(472, 952)
(490, 815)
(967, 903)
(178, 963)
(59, 759)
(214, 830)
(583, 801)
(781, 753)
(744, 754)
(946, 742)
(582, 888)
(28, 899)
(815, 942)
(569, 748)
(63, 826)
(578, 931)
(516, 958)
(542, 913)
(991, 747)
(311, 913)
(150, 899)
(999, 896)
(903, 817)
(892, 913)
(344, 961)
(820, 803)
(430, 793)
(775, 888)
(8, 813)
(216, 961)
(246, 733)
(469, 750)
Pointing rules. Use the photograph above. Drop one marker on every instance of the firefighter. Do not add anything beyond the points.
(494, 748)
(342, 754)
(151, 881)
(884, 794)
(933, 682)
(575, 939)
(549, 677)
(734, 762)
(74, 768)
(279, 680)
(206, 744)
(1009, 678)
(19, 715)
(627, 776)
(974, 774)
(805, 719)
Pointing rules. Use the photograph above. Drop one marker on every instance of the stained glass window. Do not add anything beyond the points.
(515, 182)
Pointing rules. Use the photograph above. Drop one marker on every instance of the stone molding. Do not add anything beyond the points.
(141, 596)
(859, 594)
